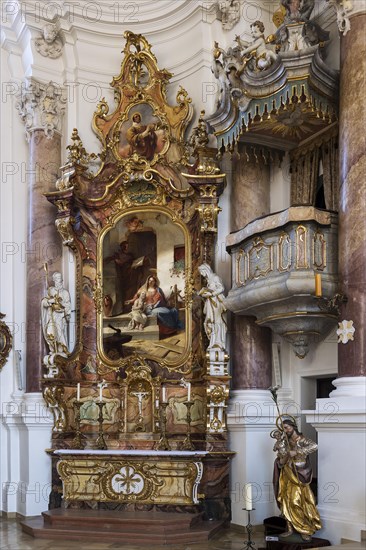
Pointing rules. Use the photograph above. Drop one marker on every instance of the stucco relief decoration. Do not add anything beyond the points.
(230, 13)
(345, 332)
(49, 44)
(41, 107)
(343, 9)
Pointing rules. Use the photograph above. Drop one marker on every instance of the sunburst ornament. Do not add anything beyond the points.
(345, 331)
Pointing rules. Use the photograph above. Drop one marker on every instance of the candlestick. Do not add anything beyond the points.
(100, 392)
(163, 443)
(100, 442)
(187, 444)
(318, 285)
(249, 543)
(78, 392)
(164, 394)
(77, 442)
(189, 391)
(248, 497)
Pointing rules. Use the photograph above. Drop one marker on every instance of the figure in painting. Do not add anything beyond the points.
(142, 139)
(257, 50)
(292, 476)
(156, 306)
(214, 309)
(125, 282)
(137, 315)
(55, 311)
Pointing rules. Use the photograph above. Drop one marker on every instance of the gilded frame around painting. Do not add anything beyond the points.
(152, 341)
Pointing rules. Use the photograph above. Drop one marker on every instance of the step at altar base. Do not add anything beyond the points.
(134, 527)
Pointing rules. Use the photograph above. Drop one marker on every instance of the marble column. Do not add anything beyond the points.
(41, 107)
(340, 419)
(251, 344)
(249, 416)
(352, 220)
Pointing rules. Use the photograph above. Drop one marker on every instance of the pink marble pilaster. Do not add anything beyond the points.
(352, 205)
(41, 107)
(251, 344)
(43, 245)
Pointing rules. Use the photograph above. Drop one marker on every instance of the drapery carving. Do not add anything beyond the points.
(330, 157)
(305, 171)
(304, 174)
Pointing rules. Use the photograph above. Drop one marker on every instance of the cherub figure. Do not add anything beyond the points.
(138, 317)
(257, 50)
(280, 446)
(50, 43)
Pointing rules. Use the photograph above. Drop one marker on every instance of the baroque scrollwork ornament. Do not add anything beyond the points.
(5, 341)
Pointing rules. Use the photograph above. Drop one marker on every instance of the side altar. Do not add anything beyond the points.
(139, 404)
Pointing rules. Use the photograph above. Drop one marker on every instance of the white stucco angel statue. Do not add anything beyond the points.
(55, 311)
(214, 309)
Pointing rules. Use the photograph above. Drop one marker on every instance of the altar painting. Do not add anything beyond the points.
(143, 292)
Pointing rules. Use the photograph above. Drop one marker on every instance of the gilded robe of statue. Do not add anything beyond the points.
(291, 479)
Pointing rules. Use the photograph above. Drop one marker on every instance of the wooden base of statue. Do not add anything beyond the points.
(275, 526)
(288, 545)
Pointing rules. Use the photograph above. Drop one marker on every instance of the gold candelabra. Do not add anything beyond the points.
(78, 441)
(100, 442)
(163, 443)
(187, 444)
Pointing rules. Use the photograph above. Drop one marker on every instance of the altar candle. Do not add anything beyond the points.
(248, 497)
(78, 392)
(318, 285)
(101, 392)
(189, 391)
(164, 394)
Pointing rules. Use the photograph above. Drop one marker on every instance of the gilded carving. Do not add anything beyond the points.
(260, 259)
(241, 264)
(64, 227)
(5, 341)
(319, 251)
(301, 247)
(145, 481)
(54, 397)
(284, 252)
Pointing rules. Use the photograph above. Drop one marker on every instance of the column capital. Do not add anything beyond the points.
(41, 106)
(346, 9)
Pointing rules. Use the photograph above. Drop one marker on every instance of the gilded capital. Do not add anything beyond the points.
(41, 107)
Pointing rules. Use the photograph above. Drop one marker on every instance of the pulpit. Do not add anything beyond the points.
(139, 404)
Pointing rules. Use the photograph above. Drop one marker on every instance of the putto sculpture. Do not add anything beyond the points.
(50, 43)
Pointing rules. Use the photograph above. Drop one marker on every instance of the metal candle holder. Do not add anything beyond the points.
(249, 527)
(163, 443)
(78, 441)
(187, 444)
(100, 442)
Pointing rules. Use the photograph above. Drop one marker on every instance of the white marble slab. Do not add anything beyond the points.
(126, 452)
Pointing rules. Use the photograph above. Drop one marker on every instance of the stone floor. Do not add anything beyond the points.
(12, 538)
